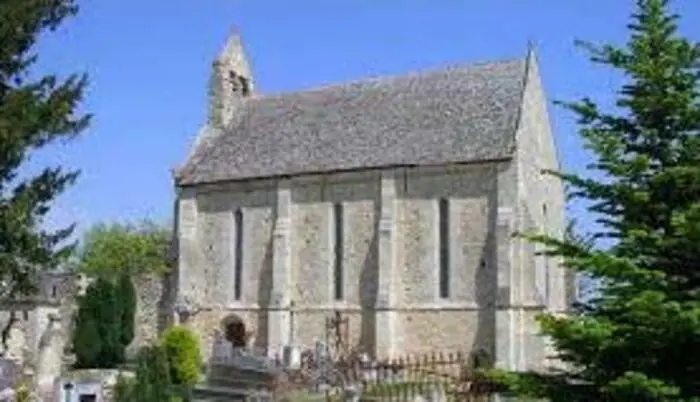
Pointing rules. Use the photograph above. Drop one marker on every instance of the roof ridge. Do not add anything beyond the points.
(390, 77)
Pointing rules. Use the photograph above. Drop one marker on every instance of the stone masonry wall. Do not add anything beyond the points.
(148, 322)
(422, 319)
(542, 209)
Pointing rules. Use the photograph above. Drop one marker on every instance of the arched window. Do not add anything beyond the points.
(239, 83)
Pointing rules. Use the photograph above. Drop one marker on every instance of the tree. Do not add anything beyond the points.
(35, 112)
(86, 339)
(98, 337)
(113, 255)
(126, 298)
(639, 337)
(125, 248)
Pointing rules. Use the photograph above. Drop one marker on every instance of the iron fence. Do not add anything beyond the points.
(432, 376)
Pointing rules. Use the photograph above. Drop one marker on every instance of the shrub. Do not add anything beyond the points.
(184, 357)
(23, 393)
(152, 382)
(124, 389)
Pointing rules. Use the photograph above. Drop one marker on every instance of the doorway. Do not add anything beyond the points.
(235, 331)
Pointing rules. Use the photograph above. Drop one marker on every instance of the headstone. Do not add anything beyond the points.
(8, 373)
(80, 391)
(352, 393)
(321, 350)
(292, 357)
(222, 349)
(7, 395)
(89, 385)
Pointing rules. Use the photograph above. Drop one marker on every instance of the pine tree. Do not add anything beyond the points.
(34, 113)
(639, 340)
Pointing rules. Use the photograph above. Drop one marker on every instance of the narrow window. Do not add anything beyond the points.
(53, 291)
(245, 86)
(444, 239)
(338, 251)
(238, 257)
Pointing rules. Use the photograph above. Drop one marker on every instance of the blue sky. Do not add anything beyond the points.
(149, 61)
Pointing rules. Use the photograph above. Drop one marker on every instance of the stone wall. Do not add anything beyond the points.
(414, 310)
(543, 284)
(18, 334)
(152, 309)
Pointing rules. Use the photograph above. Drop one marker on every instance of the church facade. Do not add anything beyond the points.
(391, 201)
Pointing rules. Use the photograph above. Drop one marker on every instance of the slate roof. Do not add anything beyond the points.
(456, 114)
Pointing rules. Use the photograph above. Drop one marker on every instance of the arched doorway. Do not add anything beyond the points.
(234, 331)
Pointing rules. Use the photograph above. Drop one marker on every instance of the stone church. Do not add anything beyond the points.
(391, 201)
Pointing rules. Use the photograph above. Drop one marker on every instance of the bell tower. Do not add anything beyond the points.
(230, 83)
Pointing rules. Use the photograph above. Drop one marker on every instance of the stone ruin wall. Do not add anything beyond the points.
(60, 291)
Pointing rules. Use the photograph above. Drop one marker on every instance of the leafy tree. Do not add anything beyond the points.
(132, 248)
(113, 255)
(35, 112)
(639, 337)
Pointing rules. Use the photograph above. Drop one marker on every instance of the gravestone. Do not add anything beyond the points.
(8, 373)
(90, 385)
(81, 392)
(238, 374)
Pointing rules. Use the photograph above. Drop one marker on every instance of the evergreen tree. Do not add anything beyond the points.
(35, 111)
(639, 339)
(109, 324)
(87, 343)
(98, 333)
(126, 297)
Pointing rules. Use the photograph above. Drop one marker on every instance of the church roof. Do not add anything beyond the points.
(457, 114)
